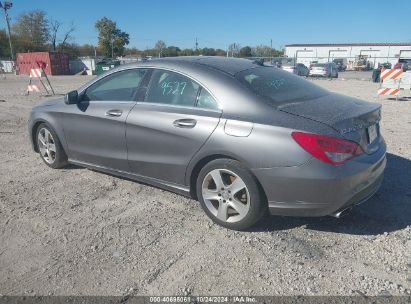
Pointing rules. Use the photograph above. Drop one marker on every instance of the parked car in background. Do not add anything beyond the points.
(298, 69)
(404, 64)
(341, 64)
(329, 70)
(385, 65)
(241, 138)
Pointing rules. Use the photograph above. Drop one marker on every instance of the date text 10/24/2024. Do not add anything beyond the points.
(203, 299)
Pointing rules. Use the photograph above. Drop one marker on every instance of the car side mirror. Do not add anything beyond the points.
(71, 97)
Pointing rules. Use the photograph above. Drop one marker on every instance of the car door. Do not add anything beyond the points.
(306, 71)
(300, 70)
(95, 127)
(333, 70)
(166, 130)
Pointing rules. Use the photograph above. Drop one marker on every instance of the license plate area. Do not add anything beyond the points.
(372, 133)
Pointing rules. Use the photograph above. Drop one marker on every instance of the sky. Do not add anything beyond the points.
(219, 23)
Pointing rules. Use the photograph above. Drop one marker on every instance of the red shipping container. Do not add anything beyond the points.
(54, 63)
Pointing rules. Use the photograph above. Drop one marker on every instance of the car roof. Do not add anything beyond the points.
(223, 64)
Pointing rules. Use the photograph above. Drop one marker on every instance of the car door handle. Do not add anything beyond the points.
(185, 123)
(114, 113)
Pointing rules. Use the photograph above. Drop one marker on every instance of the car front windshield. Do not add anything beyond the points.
(279, 87)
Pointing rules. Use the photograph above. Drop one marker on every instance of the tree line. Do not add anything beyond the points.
(34, 31)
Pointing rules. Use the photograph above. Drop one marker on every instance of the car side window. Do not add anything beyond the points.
(172, 88)
(120, 86)
(206, 101)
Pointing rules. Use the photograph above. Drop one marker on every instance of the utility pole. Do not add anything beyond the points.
(271, 49)
(112, 49)
(6, 6)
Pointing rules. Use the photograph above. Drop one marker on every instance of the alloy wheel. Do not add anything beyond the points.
(47, 145)
(226, 195)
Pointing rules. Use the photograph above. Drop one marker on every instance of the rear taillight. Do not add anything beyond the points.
(334, 151)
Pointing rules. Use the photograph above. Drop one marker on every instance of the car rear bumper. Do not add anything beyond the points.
(319, 189)
(318, 73)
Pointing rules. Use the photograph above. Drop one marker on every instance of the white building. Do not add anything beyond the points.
(376, 52)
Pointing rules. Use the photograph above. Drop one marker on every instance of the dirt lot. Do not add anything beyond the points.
(79, 232)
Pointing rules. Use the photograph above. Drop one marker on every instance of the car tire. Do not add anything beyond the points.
(231, 203)
(49, 146)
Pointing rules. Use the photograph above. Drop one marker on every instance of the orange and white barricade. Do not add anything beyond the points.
(393, 81)
(32, 88)
(38, 73)
(391, 74)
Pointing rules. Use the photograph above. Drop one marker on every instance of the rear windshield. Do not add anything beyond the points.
(279, 87)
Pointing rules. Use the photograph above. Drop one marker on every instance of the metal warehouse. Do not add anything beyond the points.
(372, 53)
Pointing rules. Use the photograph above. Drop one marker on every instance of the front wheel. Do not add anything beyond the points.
(229, 194)
(49, 146)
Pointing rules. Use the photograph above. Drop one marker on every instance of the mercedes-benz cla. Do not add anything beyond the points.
(240, 137)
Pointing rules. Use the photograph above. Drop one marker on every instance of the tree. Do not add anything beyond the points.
(132, 51)
(67, 34)
(87, 50)
(220, 52)
(111, 40)
(160, 46)
(262, 51)
(186, 52)
(171, 51)
(234, 49)
(208, 52)
(54, 29)
(32, 31)
(278, 53)
(245, 52)
(4, 45)
(71, 49)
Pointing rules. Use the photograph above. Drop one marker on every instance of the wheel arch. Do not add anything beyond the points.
(204, 161)
(34, 128)
(200, 165)
(34, 133)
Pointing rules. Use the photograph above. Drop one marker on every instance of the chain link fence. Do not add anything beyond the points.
(358, 63)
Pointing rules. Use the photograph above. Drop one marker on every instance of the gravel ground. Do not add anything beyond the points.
(80, 232)
(357, 75)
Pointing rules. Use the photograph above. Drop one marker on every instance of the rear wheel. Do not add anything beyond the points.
(229, 194)
(50, 149)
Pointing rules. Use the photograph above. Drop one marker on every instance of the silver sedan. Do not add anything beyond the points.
(240, 137)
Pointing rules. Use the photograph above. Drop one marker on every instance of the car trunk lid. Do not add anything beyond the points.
(354, 119)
